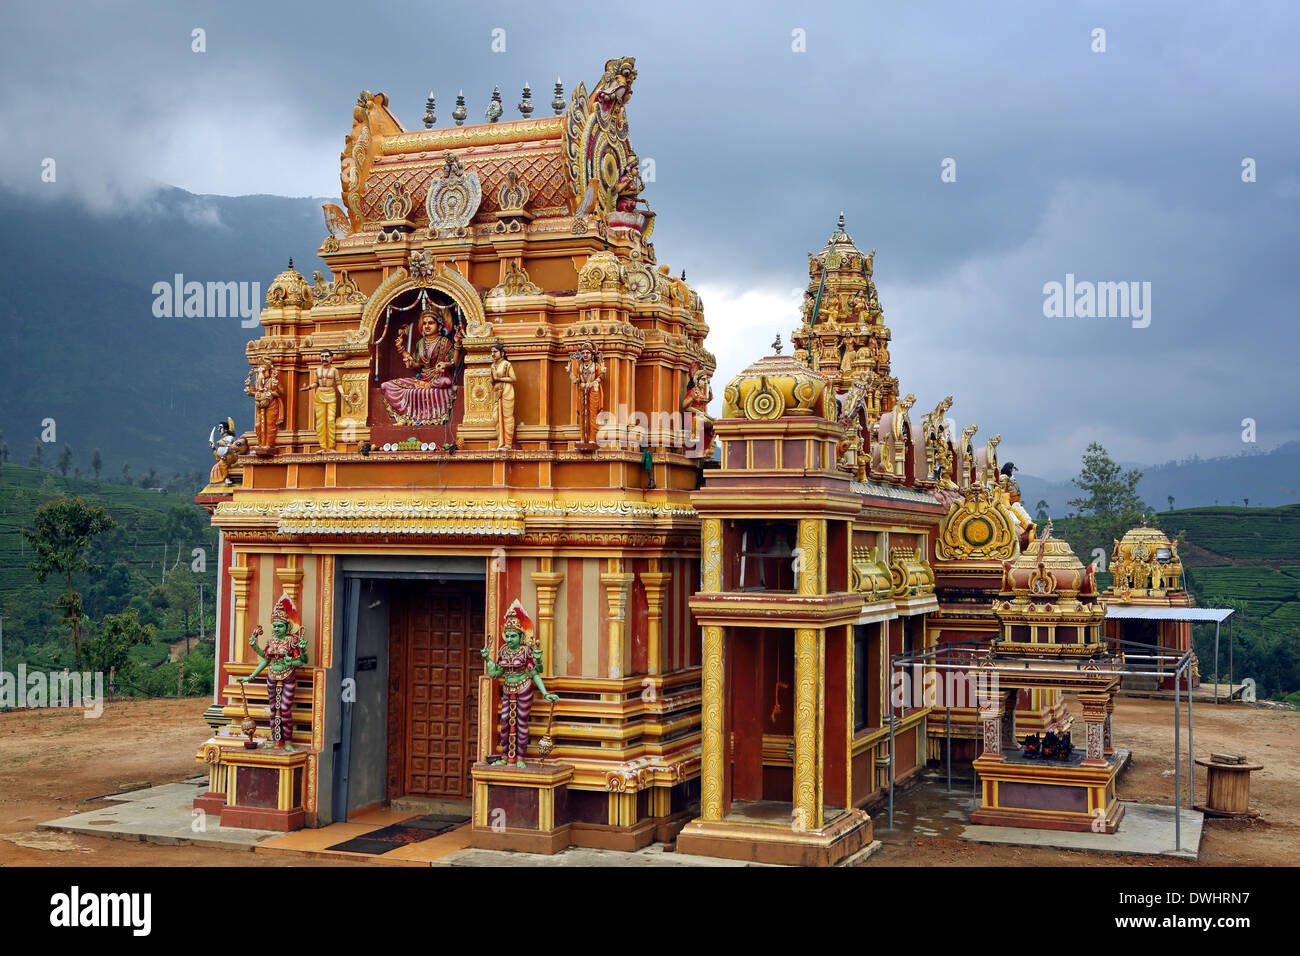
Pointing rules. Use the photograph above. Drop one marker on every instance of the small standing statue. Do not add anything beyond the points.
(586, 372)
(518, 664)
(285, 652)
(326, 399)
(503, 396)
(226, 449)
(695, 403)
(268, 405)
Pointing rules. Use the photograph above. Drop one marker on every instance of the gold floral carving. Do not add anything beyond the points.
(712, 747)
(810, 556)
(806, 692)
(515, 282)
(711, 554)
(341, 291)
(976, 529)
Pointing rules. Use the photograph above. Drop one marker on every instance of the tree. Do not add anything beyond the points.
(118, 633)
(64, 530)
(1110, 504)
(65, 460)
(150, 480)
(1246, 502)
(179, 595)
(1040, 510)
(96, 462)
(38, 449)
(126, 473)
(1171, 502)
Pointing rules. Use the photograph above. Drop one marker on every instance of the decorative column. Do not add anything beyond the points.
(242, 577)
(618, 591)
(1008, 723)
(1094, 718)
(711, 555)
(807, 710)
(992, 719)
(547, 582)
(1107, 742)
(713, 754)
(810, 567)
(655, 583)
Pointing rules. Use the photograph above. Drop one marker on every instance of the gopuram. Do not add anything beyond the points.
(513, 565)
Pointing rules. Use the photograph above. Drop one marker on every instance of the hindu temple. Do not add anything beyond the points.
(492, 544)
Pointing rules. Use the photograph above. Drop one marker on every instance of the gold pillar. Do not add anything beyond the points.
(242, 577)
(711, 555)
(811, 568)
(712, 747)
(655, 583)
(808, 649)
(618, 591)
(547, 581)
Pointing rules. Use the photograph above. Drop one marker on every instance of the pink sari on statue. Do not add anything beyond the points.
(425, 398)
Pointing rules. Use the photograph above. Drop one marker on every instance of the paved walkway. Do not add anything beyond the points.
(165, 815)
(1145, 830)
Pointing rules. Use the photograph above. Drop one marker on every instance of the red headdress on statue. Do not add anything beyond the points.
(516, 617)
(286, 610)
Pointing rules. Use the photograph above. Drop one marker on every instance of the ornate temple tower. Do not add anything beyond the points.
(1146, 573)
(484, 402)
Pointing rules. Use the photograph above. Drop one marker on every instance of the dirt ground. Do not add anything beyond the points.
(1146, 727)
(53, 761)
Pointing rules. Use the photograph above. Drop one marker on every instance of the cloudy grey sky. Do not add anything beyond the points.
(1122, 165)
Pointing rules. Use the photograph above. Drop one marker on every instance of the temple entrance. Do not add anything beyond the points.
(435, 632)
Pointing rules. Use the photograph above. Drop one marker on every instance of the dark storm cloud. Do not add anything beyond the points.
(1115, 166)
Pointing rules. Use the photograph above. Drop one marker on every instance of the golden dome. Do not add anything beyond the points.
(1145, 560)
(1142, 543)
(289, 290)
(1048, 571)
(777, 386)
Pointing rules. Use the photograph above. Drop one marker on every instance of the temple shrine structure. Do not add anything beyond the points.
(516, 560)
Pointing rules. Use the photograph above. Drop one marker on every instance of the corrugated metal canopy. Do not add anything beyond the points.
(1216, 614)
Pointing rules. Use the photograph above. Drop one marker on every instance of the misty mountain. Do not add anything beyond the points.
(79, 340)
(1267, 479)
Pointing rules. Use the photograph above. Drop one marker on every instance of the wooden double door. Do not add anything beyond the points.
(435, 633)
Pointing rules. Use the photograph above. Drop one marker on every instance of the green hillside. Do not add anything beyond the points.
(1247, 559)
(129, 562)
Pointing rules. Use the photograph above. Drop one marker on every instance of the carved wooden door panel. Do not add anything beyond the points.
(437, 651)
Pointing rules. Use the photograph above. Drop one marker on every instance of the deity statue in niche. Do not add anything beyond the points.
(268, 405)
(285, 652)
(427, 396)
(327, 396)
(587, 373)
(503, 395)
(519, 665)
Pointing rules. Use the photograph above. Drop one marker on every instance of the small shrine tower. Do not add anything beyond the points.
(777, 611)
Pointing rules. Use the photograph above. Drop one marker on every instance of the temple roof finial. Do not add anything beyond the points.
(840, 225)
(525, 106)
(557, 104)
(429, 117)
(459, 113)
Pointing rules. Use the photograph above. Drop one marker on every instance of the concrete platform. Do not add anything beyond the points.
(1145, 830)
(163, 815)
